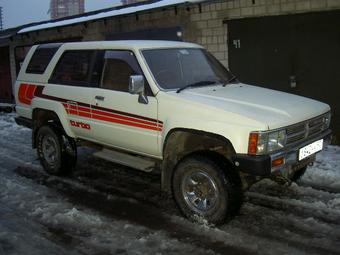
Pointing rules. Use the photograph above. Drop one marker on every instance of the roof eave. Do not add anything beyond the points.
(188, 3)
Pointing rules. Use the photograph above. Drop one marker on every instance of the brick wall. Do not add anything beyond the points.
(212, 33)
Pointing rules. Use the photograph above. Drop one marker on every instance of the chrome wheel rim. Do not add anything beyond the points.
(200, 191)
(50, 149)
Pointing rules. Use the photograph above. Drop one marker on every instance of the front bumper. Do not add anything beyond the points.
(262, 165)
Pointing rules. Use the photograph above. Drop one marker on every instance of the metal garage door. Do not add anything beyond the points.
(5, 76)
(294, 53)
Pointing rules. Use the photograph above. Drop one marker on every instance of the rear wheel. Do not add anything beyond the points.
(203, 190)
(56, 151)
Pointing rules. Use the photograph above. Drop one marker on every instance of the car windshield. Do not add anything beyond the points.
(182, 67)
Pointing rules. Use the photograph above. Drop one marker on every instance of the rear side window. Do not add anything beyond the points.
(73, 68)
(41, 58)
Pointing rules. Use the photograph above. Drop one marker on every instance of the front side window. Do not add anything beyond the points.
(73, 68)
(180, 67)
(118, 67)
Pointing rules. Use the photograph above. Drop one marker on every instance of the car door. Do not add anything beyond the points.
(119, 120)
(71, 84)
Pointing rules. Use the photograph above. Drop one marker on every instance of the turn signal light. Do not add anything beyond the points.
(278, 162)
(252, 145)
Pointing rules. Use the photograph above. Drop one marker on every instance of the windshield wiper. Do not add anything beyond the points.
(197, 84)
(233, 78)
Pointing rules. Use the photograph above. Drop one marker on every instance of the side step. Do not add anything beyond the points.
(139, 163)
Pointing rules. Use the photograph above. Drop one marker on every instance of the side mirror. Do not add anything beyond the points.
(136, 87)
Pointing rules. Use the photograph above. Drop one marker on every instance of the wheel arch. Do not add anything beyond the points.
(181, 143)
(42, 116)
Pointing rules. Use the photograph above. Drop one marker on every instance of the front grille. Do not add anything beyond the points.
(316, 126)
(304, 130)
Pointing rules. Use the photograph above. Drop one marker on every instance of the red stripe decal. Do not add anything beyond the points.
(124, 113)
(116, 116)
(84, 114)
(100, 115)
(22, 93)
(30, 92)
(84, 109)
(73, 112)
(125, 122)
(96, 112)
(26, 92)
(73, 107)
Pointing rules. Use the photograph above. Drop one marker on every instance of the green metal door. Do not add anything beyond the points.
(298, 54)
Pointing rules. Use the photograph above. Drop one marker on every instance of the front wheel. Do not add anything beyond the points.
(203, 190)
(56, 151)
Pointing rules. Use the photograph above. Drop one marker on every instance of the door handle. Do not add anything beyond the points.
(101, 98)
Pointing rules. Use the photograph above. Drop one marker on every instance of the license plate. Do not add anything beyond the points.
(310, 149)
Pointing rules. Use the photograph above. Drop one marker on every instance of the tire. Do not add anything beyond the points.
(298, 174)
(202, 190)
(57, 152)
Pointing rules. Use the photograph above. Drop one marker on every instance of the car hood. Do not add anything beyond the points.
(273, 108)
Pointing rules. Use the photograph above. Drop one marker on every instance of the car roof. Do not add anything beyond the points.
(127, 44)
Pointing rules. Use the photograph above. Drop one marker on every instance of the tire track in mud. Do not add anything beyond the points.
(121, 207)
(27, 226)
(297, 207)
(132, 205)
(288, 224)
(19, 229)
(297, 199)
(133, 211)
(5, 141)
(17, 151)
(10, 160)
(319, 187)
(72, 240)
(294, 223)
(307, 234)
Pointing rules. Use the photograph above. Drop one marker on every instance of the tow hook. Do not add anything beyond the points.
(284, 181)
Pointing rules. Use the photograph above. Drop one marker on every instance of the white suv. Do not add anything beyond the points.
(170, 106)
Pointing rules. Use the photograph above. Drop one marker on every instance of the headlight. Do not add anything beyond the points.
(276, 140)
(264, 142)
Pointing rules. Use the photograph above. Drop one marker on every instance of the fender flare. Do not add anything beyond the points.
(47, 115)
(181, 142)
